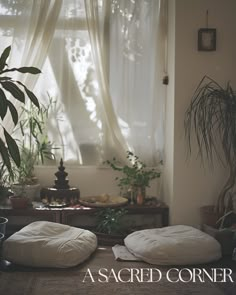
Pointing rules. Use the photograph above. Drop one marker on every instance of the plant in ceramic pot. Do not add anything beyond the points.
(211, 118)
(35, 149)
(17, 201)
(24, 181)
(136, 177)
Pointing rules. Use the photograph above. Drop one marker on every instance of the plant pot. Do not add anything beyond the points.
(19, 202)
(140, 197)
(224, 236)
(109, 239)
(234, 202)
(4, 194)
(3, 223)
(31, 191)
(1, 240)
(209, 216)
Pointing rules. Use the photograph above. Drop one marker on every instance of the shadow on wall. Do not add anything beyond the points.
(89, 179)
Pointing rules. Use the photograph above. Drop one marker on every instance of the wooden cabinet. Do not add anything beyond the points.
(137, 217)
(18, 218)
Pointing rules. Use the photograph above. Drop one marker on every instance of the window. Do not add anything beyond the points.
(55, 37)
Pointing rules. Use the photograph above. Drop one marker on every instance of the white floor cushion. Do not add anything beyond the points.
(173, 245)
(49, 244)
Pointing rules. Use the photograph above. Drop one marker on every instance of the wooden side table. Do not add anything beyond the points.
(137, 217)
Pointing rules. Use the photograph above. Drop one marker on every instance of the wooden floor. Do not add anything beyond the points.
(87, 279)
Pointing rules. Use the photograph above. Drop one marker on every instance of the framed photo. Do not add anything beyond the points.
(206, 39)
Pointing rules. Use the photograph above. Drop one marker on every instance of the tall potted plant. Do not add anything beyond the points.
(34, 149)
(8, 145)
(211, 118)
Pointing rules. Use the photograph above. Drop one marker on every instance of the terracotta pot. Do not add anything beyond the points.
(140, 197)
(139, 194)
(19, 202)
(209, 216)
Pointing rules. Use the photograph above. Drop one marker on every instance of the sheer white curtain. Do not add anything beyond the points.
(133, 95)
(113, 135)
(28, 26)
(102, 62)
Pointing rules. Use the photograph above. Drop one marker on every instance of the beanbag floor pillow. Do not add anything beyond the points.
(49, 244)
(173, 245)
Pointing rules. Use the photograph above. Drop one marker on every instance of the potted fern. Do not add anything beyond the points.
(211, 118)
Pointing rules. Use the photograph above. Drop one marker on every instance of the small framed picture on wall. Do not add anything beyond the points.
(206, 39)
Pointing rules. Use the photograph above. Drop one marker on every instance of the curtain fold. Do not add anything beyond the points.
(31, 41)
(41, 32)
(131, 87)
(118, 141)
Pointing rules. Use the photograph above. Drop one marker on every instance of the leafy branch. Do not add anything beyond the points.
(109, 220)
(8, 146)
(136, 174)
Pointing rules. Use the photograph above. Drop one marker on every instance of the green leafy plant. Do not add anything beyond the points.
(24, 174)
(34, 132)
(35, 147)
(109, 220)
(4, 182)
(211, 118)
(8, 145)
(136, 174)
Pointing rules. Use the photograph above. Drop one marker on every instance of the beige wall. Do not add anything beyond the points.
(188, 185)
(90, 180)
(168, 177)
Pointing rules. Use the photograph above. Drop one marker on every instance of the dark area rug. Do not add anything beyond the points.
(84, 279)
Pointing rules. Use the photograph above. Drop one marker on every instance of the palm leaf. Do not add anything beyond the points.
(5, 155)
(14, 90)
(4, 57)
(30, 94)
(24, 70)
(30, 70)
(13, 112)
(3, 104)
(12, 148)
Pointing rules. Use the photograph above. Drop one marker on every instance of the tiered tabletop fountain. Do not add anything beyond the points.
(61, 194)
